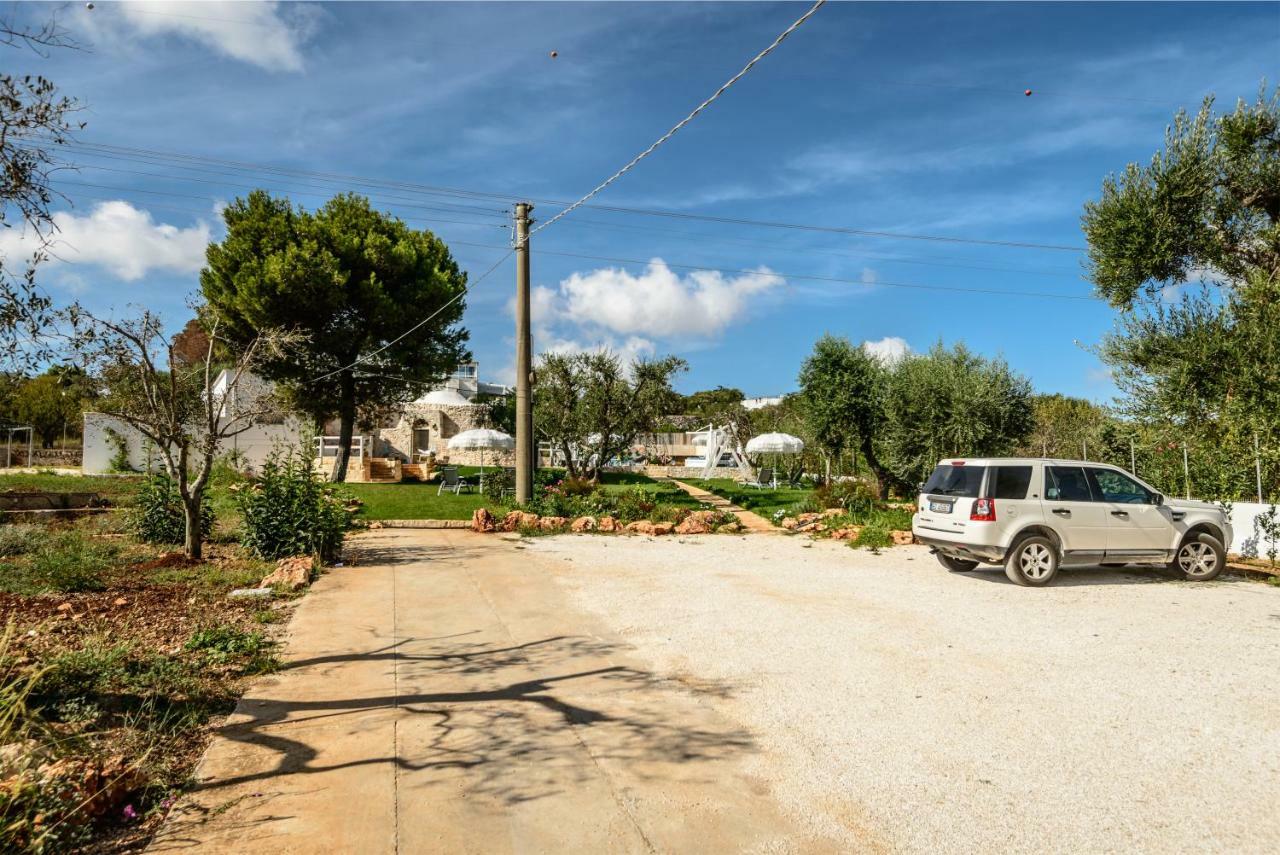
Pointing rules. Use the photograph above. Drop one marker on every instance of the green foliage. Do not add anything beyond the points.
(1189, 248)
(48, 406)
(874, 537)
(853, 497)
(351, 280)
(157, 514)
(591, 408)
(64, 562)
(289, 510)
(1207, 207)
(1266, 527)
(224, 643)
(21, 539)
(119, 451)
(952, 402)
(498, 483)
(843, 388)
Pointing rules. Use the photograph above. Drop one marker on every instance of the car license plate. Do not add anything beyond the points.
(940, 507)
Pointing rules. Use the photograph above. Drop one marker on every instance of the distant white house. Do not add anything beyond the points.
(415, 431)
(757, 403)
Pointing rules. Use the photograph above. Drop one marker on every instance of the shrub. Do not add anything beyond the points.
(498, 483)
(224, 643)
(119, 451)
(21, 539)
(157, 514)
(634, 504)
(873, 537)
(855, 497)
(289, 510)
(67, 562)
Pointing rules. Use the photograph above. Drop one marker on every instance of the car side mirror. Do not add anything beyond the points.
(1157, 499)
(920, 487)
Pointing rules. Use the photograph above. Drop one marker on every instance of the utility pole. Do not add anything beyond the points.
(525, 445)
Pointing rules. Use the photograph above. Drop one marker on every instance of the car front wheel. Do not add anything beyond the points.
(1032, 562)
(1200, 558)
(956, 565)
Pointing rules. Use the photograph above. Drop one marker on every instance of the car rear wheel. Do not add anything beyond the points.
(1033, 562)
(956, 565)
(1200, 558)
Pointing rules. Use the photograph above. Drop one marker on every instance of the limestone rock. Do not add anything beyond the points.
(291, 574)
(902, 538)
(698, 522)
(519, 519)
(583, 524)
(848, 533)
(664, 528)
(482, 521)
(640, 527)
(607, 524)
(553, 523)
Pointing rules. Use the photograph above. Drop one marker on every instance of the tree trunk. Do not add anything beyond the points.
(878, 472)
(193, 545)
(346, 428)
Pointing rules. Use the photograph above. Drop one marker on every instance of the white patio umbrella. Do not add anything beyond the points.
(775, 443)
(482, 439)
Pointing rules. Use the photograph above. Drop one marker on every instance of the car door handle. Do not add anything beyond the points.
(1119, 513)
(1064, 512)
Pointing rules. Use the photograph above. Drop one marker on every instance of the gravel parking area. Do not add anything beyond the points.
(903, 708)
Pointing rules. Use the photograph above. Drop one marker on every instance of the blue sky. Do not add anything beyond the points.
(905, 118)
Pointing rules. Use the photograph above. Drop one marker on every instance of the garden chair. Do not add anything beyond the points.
(450, 480)
(764, 480)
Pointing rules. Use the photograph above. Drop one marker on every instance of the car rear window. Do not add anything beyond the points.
(949, 480)
(1010, 482)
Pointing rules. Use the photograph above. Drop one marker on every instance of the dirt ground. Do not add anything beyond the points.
(761, 694)
(1118, 710)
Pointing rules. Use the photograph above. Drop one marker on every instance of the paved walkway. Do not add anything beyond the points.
(442, 695)
(750, 521)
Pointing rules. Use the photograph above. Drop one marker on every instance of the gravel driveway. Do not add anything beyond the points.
(904, 708)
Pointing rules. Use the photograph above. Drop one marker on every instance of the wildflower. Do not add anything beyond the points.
(129, 813)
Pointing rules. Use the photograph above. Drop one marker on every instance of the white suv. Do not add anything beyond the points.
(1035, 515)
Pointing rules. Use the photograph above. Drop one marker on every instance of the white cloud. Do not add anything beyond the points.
(116, 236)
(869, 276)
(888, 349)
(658, 302)
(269, 35)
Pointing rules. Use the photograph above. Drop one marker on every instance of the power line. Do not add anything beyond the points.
(420, 324)
(801, 276)
(426, 189)
(685, 121)
(206, 198)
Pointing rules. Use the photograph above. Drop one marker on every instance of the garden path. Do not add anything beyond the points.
(750, 521)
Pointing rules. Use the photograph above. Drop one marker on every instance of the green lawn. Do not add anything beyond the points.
(116, 488)
(762, 502)
(411, 501)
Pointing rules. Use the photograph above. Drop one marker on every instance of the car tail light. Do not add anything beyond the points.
(984, 510)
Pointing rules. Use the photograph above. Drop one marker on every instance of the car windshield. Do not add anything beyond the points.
(950, 480)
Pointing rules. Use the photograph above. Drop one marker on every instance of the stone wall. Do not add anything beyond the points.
(682, 472)
(443, 421)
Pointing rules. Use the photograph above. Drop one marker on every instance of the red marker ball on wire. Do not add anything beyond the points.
(1026, 92)
(554, 54)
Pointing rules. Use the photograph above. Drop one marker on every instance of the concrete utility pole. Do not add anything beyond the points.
(525, 444)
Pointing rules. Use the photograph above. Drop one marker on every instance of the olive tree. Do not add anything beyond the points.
(173, 400)
(591, 407)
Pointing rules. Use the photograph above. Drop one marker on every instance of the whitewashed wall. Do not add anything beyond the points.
(1245, 539)
(254, 445)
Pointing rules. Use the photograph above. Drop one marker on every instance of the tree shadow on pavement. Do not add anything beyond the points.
(508, 736)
